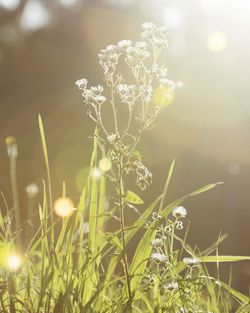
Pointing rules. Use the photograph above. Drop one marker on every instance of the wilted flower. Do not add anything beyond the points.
(144, 177)
(179, 211)
(11, 146)
(159, 257)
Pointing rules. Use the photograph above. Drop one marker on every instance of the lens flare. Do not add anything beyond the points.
(164, 96)
(96, 173)
(217, 41)
(64, 207)
(14, 262)
(105, 164)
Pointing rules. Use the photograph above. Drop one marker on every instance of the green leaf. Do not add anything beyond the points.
(223, 258)
(131, 197)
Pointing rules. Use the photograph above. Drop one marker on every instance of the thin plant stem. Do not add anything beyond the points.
(13, 177)
(121, 206)
(112, 100)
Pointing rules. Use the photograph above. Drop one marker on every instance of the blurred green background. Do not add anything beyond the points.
(45, 46)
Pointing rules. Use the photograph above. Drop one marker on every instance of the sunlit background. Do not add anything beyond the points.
(45, 46)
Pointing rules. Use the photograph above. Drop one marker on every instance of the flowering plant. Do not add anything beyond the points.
(72, 264)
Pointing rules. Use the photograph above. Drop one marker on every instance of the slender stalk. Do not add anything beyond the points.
(121, 206)
(113, 103)
(13, 178)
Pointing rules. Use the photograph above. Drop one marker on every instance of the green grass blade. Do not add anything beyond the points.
(223, 258)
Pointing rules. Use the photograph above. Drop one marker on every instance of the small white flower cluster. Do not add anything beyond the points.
(137, 53)
(112, 138)
(179, 212)
(191, 261)
(146, 93)
(92, 95)
(172, 285)
(159, 257)
(155, 35)
(158, 242)
(128, 94)
(108, 58)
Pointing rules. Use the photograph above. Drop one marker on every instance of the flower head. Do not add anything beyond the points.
(81, 83)
(179, 211)
(157, 242)
(148, 26)
(159, 257)
(123, 45)
(191, 261)
(172, 285)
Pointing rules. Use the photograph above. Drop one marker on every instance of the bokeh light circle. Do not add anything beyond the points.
(64, 207)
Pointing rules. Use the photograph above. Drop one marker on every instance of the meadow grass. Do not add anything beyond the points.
(72, 262)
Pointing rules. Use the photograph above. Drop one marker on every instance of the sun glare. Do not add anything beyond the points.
(64, 207)
(217, 41)
(14, 262)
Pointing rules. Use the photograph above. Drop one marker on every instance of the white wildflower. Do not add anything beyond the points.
(122, 89)
(81, 83)
(169, 84)
(100, 99)
(110, 49)
(112, 138)
(148, 26)
(171, 285)
(127, 93)
(124, 44)
(146, 92)
(191, 261)
(97, 90)
(157, 242)
(88, 95)
(159, 257)
(179, 211)
(162, 30)
(141, 45)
